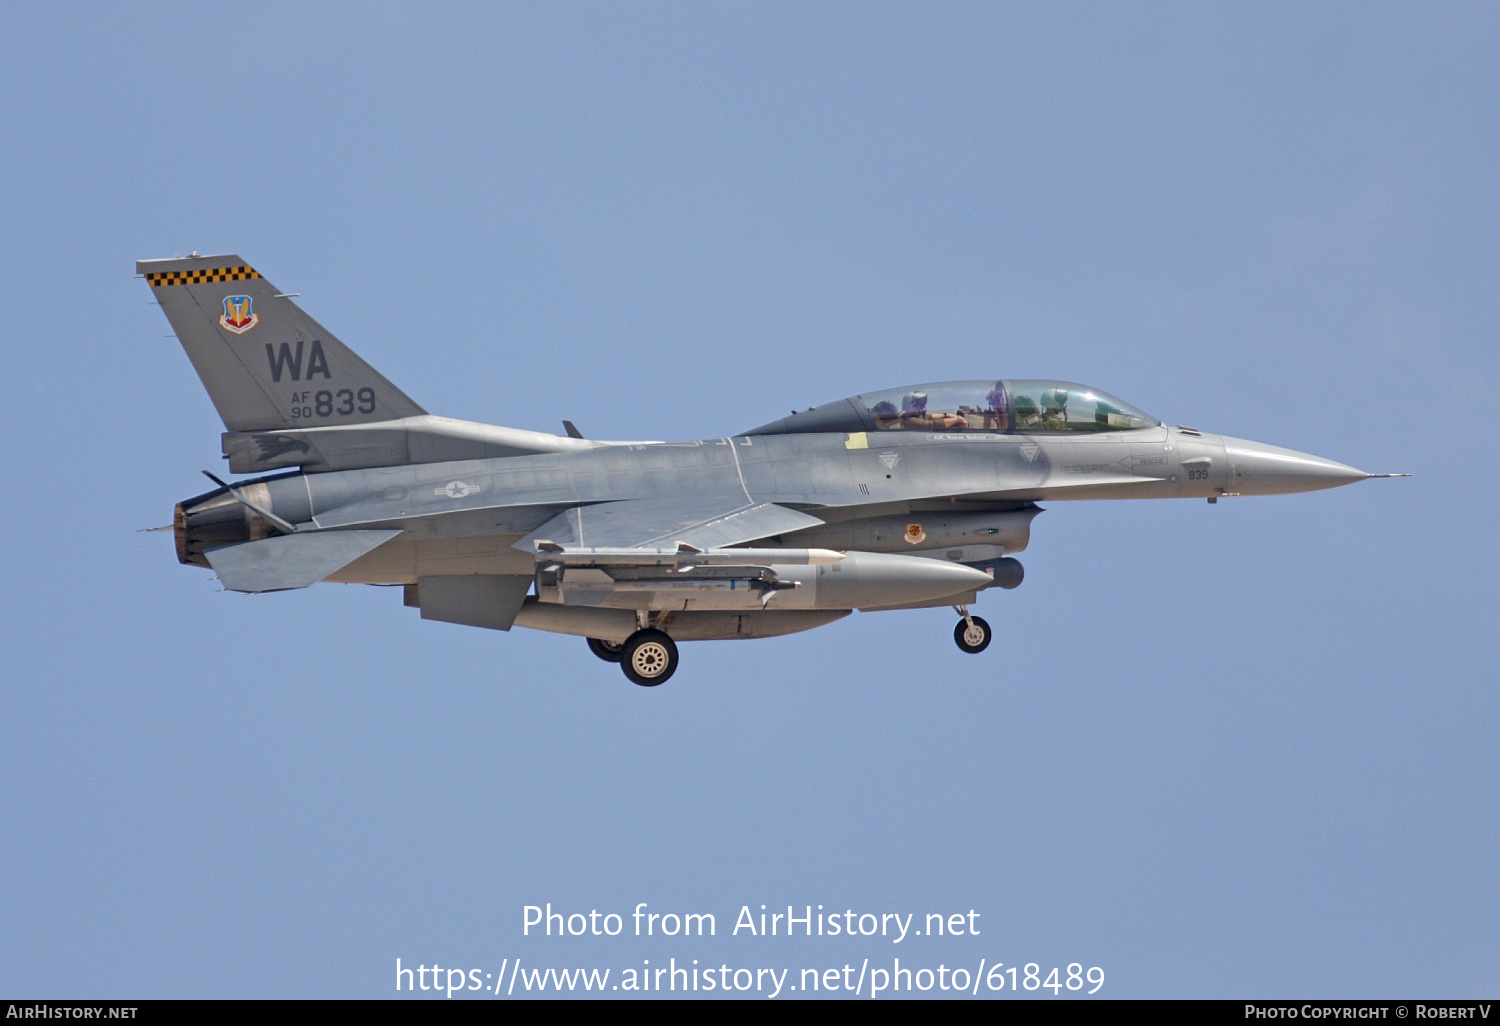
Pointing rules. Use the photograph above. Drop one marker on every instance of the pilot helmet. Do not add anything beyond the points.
(914, 403)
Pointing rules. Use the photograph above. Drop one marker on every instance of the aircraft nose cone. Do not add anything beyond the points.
(1259, 469)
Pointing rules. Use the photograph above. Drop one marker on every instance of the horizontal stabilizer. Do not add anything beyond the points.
(291, 560)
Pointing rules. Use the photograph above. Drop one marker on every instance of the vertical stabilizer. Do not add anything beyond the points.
(266, 364)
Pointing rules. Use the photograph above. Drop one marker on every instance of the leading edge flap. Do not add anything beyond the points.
(709, 523)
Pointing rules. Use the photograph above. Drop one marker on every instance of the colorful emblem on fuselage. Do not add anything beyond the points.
(239, 314)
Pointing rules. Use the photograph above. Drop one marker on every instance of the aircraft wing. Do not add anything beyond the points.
(702, 523)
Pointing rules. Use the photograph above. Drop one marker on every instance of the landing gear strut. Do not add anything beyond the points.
(608, 651)
(972, 633)
(648, 657)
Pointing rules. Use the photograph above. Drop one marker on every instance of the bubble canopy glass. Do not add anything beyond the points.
(992, 406)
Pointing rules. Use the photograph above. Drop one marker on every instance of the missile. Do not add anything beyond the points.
(548, 552)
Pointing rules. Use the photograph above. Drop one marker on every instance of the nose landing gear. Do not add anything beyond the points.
(972, 633)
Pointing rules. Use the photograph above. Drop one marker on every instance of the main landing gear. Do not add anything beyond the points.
(972, 633)
(648, 656)
(606, 650)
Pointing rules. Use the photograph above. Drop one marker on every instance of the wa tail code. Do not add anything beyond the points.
(285, 359)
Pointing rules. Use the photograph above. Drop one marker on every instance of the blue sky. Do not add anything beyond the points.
(1216, 750)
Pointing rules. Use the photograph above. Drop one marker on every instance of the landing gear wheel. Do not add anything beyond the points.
(973, 635)
(606, 650)
(648, 657)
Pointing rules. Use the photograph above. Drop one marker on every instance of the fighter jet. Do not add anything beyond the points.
(910, 497)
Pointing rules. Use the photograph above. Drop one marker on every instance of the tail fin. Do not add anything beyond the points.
(266, 364)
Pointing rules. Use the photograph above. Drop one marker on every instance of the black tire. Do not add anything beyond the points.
(967, 639)
(608, 651)
(648, 657)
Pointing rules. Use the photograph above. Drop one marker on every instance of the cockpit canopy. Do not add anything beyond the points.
(994, 406)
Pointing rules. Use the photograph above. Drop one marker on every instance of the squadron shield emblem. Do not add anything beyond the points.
(915, 535)
(239, 314)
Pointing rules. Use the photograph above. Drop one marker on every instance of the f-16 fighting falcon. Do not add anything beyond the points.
(906, 498)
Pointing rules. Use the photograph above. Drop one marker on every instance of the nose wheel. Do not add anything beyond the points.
(648, 657)
(972, 633)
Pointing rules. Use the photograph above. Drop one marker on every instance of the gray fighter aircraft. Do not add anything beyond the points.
(911, 497)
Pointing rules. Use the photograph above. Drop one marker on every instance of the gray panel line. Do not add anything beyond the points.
(737, 469)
